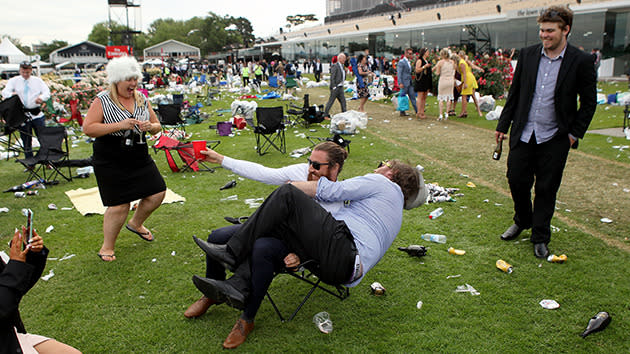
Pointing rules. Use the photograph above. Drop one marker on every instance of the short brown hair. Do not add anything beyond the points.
(406, 177)
(558, 14)
(336, 154)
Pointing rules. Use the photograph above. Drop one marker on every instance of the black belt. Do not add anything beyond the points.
(34, 111)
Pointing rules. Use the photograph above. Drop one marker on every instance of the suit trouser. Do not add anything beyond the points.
(26, 134)
(318, 75)
(411, 93)
(545, 163)
(254, 275)
(306, 228)
(336, 93)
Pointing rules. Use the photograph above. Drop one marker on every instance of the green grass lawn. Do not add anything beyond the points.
(136, 304)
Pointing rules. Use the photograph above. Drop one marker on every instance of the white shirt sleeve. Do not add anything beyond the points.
(267, 175)
(9, 89)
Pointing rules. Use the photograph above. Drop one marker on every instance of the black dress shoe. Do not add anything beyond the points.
(541, 250)
(219, 253)
(512, 232)
(220, 291)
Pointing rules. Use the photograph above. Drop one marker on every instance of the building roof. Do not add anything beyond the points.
(71, 46)
(171, 41)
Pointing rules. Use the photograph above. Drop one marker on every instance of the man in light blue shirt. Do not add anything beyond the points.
(345, 243)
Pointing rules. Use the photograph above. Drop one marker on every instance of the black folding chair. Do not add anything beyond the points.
(170, 116)
(269, 129)
(53, 154)
(12, 116)
(305, 272)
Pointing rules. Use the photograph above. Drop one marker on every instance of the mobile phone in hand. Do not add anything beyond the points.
(29, 223)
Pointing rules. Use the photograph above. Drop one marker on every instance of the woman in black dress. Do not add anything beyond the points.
(423, 81)
(118, 119)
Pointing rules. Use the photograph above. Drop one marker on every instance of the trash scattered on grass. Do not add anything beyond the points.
(436, 213)
(440, 194)
(498, 204)
(414, 250)
(479, 216)
(504, 266)
(323, 322)
(419, 305)
(254, 202)
(4, 210)
(471, 185)
(557, 259)
(154, 260)
(52, 206)
(549, 304)
(377, 289)
(554, 228)
(230, 184)
(67, 208)
(232, 197)
(463, 175)
(456, 252)
(49, 275)
(597, 323)
(300, 152)
(453, 276)
(606, 220)
(49, 229)
(434, 238)
(486, 200)
(173, 253)
(467, 288)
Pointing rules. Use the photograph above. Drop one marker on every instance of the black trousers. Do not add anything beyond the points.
(543, 163)
(305, 227)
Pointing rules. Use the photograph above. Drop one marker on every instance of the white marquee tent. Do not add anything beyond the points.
(10, 53)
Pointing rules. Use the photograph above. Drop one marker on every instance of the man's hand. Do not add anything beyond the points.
(571, 140)
(291, 261)
(39, 100)
(212, 156)
(498, 136)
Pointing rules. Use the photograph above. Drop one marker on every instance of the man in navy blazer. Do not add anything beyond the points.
(542, 109)
(403, 71)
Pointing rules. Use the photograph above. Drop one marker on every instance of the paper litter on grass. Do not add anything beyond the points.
(88, 201)
(49, 275)
(467, 288)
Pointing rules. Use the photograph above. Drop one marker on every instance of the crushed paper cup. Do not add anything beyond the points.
(549, 304)
(49, 229)
(419, 305)
(52, 206)
(49, 275)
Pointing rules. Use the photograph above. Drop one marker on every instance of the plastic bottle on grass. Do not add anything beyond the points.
(436, 213)
(434, 238)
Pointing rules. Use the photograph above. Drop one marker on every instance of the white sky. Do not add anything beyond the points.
(35, 21)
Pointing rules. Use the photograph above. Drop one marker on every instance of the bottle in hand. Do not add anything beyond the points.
(496, 155)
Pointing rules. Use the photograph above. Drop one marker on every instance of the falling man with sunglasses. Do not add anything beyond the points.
(542, 108)
(345, 243)
(270, 254)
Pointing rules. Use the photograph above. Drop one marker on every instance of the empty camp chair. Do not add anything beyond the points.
(170, 116)
(12, 115)
(185, 152)
(306, 272)
(53, 153)
(269, 129)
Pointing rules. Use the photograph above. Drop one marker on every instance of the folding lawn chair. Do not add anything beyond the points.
(185, 152)
(269, 129)
(53, 153)
(306, 272)
(12, 115)
(170, 116)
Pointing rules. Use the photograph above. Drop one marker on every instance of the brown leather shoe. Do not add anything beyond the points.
(199, 307)
(238, 335)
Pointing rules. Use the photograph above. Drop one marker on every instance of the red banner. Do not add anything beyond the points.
(115, 51)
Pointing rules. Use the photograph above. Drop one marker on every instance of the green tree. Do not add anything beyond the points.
(101, 33)
(46, 48)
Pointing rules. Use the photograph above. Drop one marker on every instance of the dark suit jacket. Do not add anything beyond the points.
(576, 78)
(16, 278)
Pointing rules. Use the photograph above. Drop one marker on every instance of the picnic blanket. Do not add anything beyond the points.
(88, 201)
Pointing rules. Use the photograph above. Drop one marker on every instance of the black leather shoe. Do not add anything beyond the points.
(219, 253)
(541, 250)
(220, 291)
(511, 233)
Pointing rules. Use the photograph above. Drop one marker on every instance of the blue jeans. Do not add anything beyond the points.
(253, 276)
(26, 133)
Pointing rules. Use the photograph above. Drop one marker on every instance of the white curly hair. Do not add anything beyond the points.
(123, 68)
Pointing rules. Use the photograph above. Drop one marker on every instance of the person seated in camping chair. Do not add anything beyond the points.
(345, 243)
(326, 160)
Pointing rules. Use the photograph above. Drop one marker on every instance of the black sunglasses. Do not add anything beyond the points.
(317, 165)
(384, 163)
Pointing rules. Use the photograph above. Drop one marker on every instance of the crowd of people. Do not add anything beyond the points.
(344, 227)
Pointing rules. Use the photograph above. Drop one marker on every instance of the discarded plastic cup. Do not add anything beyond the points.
(377, 289)
(504, 266)
(19, 194)
(549, 304)
(323, 322)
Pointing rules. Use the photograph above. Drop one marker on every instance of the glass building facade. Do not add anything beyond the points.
(602, 28)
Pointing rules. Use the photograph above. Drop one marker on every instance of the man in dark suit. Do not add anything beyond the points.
(404, 73)
(337, 77)
(317, 69)
(542, 108)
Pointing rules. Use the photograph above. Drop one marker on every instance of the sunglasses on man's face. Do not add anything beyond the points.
(384, 163)
(317, 165)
